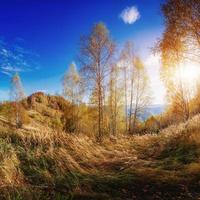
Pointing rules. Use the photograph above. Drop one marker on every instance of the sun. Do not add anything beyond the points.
(188, 73)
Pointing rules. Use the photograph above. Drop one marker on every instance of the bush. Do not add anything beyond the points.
(56, 124)
(15, 112)
(70, 118)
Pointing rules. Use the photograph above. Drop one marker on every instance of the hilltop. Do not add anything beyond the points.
(42, 110)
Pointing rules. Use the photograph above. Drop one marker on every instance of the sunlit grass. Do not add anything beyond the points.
(78, 166)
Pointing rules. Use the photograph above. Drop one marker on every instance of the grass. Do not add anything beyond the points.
(43, 164)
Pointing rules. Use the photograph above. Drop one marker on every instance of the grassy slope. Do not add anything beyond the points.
(40, 163)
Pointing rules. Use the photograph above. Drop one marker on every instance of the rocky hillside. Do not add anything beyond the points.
(44, 111)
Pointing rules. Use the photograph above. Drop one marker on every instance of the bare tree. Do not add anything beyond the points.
(127, 58)
(72, 85)
(114, 98)
(137, 97)
(141, 97)
(17, 94)
(96, 51)
(73, 92)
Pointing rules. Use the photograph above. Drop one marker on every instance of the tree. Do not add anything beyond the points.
(96, 51)
(179, 99)
(136, 90)
(17, 91)
(195, 102)
(73, 92)
(17, 94)
(114, 99)
(127, 62)
(141, 96)
(131, 69)
(72, 85)
(152, 124)
(181, 38)
(180, 42)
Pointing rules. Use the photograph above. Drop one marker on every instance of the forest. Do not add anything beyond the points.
(95, 140)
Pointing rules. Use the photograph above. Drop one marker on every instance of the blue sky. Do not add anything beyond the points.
(49, 30)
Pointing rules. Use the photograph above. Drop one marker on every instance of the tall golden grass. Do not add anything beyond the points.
(38, 157)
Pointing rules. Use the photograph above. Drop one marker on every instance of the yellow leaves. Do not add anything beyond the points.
(138, 63)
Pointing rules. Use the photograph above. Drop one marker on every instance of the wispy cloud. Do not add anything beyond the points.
(130, 15)
(14, 58)
(7, 73)
(8, 68)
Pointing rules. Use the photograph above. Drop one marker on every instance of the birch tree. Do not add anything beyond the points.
(72, 85)
(141, 96)
(73, 92)
(17, 94)
(114, 99)
(127, 58)
(96, 51)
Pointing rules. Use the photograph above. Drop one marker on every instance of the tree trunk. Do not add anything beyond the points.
(125, 88)
(131, 107)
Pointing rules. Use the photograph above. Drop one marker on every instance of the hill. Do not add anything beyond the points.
(43, 111)
(38, 162)
(152, 110)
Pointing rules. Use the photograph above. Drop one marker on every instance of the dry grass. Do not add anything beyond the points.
(9, 171)
(42, 159)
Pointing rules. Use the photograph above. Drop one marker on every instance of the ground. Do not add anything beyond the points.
(37, 162)
(49, 165)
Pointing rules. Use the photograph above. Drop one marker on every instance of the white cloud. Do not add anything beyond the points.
(6, 73)
(14, 58)
(130, 15)
(11, 69)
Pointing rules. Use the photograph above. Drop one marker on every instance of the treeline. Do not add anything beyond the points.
(112, 87)
(115, 86)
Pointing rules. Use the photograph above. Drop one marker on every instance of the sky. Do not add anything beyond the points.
(43, 37)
